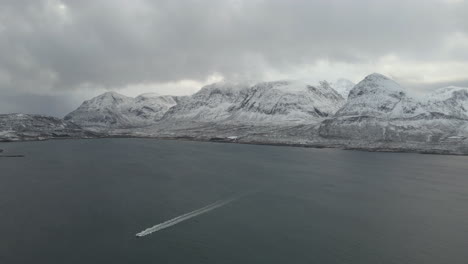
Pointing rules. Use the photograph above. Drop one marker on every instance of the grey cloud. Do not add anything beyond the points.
(113, 43)
(53, 105)
(423, 88)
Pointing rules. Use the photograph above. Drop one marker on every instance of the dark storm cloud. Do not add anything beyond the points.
(68, 44)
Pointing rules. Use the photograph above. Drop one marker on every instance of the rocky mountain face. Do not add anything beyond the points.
(279, 103)
(19, 127)
(379, 110)
(113, 110)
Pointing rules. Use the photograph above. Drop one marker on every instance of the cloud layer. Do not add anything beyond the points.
(66, 45)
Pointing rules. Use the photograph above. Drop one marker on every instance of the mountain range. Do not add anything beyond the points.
(375, 114)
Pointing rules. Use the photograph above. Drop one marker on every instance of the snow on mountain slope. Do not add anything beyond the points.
(106, 110)
(113, 110)
(378, 109)
(152, 106)
(287, 101)
(269, 102)
(15, 127)
(450, 101)
(379, 96)
(378, 115)
(211, 104)
(343, 87)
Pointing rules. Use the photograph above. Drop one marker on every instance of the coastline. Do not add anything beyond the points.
(389, 147)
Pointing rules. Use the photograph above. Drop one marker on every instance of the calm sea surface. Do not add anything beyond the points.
(83, 201)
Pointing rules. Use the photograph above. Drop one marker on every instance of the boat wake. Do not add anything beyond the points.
(189, 215)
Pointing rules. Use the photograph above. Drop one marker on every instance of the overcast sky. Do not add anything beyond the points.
(56, 53)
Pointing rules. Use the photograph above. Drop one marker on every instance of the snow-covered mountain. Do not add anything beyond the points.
(379, 96)
(377, 115)
(277, 103)
(113, 110)
(152, 106)
(450, 101)
(288, 101)
(379, 109)
(15, 127)
(211, 104)
(105, 110)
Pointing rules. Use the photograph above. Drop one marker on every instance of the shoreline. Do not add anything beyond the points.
(316, 145)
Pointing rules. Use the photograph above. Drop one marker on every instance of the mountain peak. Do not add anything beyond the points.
(112, 109)
(376, 84)
(111, 93)
(378, 95)
(147, 96)
(226, 86)
(108, 99)
(376, 76)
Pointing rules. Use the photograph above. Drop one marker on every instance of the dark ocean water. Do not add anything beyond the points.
(83, 201)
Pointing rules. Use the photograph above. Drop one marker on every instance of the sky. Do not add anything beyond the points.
(56, 53)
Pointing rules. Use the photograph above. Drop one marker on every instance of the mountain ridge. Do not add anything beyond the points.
(113, 110)
(378, 114)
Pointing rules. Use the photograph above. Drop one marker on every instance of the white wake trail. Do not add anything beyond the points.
(186, 216)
